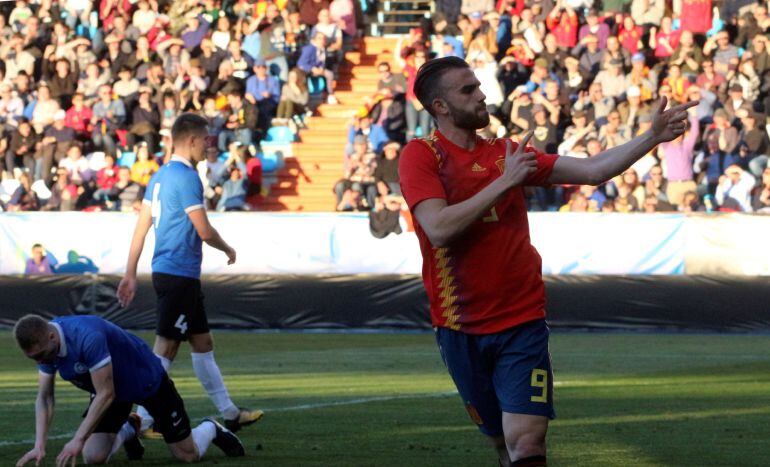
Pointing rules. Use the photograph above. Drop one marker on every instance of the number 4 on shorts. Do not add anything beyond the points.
(540, 380)
(182, 325)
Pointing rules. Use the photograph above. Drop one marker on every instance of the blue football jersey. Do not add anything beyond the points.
(89, 343)
(173, 192)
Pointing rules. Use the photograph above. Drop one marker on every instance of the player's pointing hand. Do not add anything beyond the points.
(519, 164)
(670, 124)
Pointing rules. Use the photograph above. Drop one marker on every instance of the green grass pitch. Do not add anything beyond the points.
(386, 400)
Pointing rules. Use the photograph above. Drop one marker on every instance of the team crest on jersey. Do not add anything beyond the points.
(477, 168)
(500, 163)
(80, 368)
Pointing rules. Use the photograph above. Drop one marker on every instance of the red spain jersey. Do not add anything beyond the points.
(489, 279)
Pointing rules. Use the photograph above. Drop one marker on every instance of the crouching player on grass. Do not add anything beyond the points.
(119, 370)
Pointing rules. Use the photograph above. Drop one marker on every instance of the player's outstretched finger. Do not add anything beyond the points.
(524, 142)
(685, 106)
(662, 106)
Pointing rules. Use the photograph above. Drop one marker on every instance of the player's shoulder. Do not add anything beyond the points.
(80, 322)
(177, 171)
(494, 142)
(422, 147)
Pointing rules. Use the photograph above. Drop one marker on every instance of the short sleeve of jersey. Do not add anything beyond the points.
(545, 163)
(418, 172)
(96, 354)
(190, 191)
(47, 369)
(148, 191)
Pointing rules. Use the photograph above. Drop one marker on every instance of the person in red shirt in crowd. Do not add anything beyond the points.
(630, 35)
(512, 7)
(664, 41)
(480, 270)
(562, 21)
(696, 16)
(78, 117)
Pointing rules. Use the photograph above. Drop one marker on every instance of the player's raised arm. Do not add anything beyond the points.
(127, 286)
(666, 126)
(444, 223)
(209, 234)
(44, 406)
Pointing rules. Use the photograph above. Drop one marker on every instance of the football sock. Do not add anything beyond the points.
(165, 362)
(147, 419)
(531, 461)
(126, 432)
(202, 436)
(208, 374)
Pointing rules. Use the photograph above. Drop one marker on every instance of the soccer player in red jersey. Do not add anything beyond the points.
(481, 272)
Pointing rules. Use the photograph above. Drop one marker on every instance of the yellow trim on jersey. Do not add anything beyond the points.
(448, 296)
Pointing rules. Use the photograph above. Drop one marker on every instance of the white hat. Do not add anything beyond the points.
(634, 91)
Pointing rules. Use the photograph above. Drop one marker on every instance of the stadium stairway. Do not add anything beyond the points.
(306, 180)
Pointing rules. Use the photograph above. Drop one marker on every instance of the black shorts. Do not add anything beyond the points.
(179, 307)
(166, 407)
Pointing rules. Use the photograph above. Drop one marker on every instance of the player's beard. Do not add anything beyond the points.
(474, 120)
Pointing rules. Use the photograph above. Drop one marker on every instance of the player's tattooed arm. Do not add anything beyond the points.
(667, 125)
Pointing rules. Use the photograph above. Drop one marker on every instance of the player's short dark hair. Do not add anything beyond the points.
(30, 330)
(187, 125)
(428, 85)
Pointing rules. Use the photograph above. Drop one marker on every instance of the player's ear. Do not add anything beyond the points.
(440, 106)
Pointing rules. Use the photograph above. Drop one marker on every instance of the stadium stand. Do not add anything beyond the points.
(282, 82)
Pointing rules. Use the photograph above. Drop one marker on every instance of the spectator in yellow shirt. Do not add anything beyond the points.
(144, 167)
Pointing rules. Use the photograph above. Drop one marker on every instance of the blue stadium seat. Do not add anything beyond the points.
(127, 159)
(271, 161)
(279, 135)
(316, 84)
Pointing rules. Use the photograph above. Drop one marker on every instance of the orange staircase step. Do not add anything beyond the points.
(307, 181)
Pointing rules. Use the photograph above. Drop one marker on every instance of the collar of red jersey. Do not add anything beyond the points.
(181, 159)
(62, 341)
(446, 140)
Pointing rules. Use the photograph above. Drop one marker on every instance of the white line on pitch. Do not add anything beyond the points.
(320, 405)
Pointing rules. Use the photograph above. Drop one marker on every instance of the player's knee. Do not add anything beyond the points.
(202, 343)
(526, 444)
(186, 456)
(96, 457)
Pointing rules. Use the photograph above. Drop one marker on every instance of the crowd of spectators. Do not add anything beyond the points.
(89, 91)
(585, 76)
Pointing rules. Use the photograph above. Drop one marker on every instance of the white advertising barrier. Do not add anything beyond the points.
(594, 243)
(729, 244)
(265, 243)
(328, 243)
